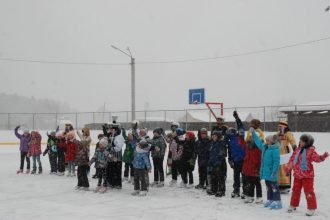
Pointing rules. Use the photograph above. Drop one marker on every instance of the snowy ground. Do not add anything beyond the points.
(52, 197)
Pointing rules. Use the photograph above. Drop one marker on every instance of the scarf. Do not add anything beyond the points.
(303, 152)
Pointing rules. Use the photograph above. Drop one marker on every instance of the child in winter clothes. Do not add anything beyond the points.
(101, 158)
(35, 151)
(99, 137)
(51, 149)
(24, 148)
(270, 163)
(217, 165)
(235, 160)
(142, 166)
(128, 156)
(202, 148)
(116, 143)
(158, 145)
(301, 164)
(175, 149)
(187, 161)
(82, 161)
(251, 166)
(71, 153)
(61, 148)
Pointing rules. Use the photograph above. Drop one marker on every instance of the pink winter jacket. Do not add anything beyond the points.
(311, 156)
(35, 144)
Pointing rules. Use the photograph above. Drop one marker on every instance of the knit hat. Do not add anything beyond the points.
(159, 131)
(307, 139)
(180, 132)
(273, 139)
(203, 131)
(100, 136)
(103, 143)
(231, 131)
(190, 135)
(143, 143)
(59, 135)
(283, 123)
(217, 133)
(255, 123)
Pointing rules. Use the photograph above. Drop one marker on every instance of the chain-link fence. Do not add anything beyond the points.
(311, 118)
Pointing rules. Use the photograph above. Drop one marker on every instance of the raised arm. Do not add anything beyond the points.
(19, 136)
(257, 140)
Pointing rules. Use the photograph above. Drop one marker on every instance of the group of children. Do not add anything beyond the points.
(252, 156)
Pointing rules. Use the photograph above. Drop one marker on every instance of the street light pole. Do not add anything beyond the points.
(132, 78)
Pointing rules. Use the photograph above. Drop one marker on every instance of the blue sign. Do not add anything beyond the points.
(196, 96)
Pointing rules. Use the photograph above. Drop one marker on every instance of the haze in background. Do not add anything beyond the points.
(82, 31)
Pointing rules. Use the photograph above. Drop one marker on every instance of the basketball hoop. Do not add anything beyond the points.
(219, 119)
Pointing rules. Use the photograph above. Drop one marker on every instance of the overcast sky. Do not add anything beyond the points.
(82, 31)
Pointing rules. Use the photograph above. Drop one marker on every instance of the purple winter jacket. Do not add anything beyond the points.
(24, 141)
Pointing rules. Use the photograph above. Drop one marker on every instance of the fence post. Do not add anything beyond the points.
(8, 121)
(210, 123)
(33, 121)
(165, 116)
(127, 116)
(93, 117)
(186, 119)
(145, 116)
(295, 118)
(264, 118)
(55, 120)
(77, 120)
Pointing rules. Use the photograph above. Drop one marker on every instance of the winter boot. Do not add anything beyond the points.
(210, 192)
(77, 187)
(154, 184)
(276, 205)
(235, 195)
(249, 199)
(173, 183)
(19, 171)
(183, 185)
(135, 193)
(259, 200)
(143, 193)
(103, 189)
(310, 212)
(34, 170)
(199, 186)
(243, 196)
(268, 203)
(27, 171)
(40, 170)
(219, 194)
(97, 189)
(291, 209)
(160, 184)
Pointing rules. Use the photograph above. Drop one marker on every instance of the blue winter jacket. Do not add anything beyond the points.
(218, 153)
(270, 160)
(141, 159)
(236, 151)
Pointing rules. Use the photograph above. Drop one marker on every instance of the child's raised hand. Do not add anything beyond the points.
(324, 156)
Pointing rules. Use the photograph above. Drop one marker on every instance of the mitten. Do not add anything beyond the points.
(324, 156)
(235, 114)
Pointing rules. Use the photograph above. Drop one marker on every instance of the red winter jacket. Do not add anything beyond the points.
(252, 159)
(311, 156)
(71, 151)
(35, 144)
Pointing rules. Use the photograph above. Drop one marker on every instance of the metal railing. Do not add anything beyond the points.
(300, 117)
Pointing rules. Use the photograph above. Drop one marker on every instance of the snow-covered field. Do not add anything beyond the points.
(52, 197)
